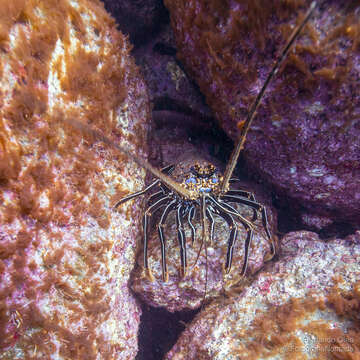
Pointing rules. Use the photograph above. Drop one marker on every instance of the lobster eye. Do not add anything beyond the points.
(190, 180)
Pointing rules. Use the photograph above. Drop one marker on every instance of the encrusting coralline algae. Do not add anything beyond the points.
(65, 256)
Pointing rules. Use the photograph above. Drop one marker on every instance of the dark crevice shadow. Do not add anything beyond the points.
(159, 330)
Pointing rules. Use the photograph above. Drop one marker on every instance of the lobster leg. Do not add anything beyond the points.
(191, 215)
(169, 207)
(229, 210)
(138, 193)
(247, 195)
(148, 213)
(181, 238)
(258, 207)
(232, 238)
(167, 170)
(212, 224)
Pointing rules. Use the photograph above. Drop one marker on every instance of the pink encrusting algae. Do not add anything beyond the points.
(305, 306)
(304, 138)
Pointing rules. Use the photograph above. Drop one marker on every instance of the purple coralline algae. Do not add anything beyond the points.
(169, 86)
(65, 255)
(304, 140)
(306, 306)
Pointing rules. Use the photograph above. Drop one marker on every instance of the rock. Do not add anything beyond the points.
(304, 306)
(169, 86)
(138, 18)
(183, 293)
(304, 140)
(65, 255)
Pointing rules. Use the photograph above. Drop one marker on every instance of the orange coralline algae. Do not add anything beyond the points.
(278, 330)
(65, 257)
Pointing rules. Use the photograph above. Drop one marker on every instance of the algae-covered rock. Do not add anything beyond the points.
(304, 140)
(306, 306)
(65, 256)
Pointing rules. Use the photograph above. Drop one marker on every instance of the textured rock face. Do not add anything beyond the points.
(305, 306)
(181, 293)
(65, 256)
(169, 86)
(304, 140)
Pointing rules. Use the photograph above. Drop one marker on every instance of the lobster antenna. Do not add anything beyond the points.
(240, 144)
(173, 185)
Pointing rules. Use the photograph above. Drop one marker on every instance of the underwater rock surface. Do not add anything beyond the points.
(137, 18)
(169, 86)
(65, 255)
(304, 306)
(304, 139)
(184, 293)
